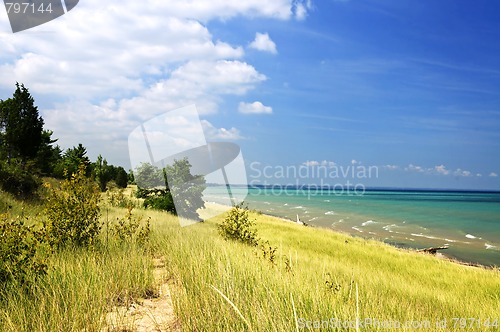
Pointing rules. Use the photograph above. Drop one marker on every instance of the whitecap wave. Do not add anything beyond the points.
(470, 236)
(426, 236)
(330, 213)
(366, 223)
(357, 229)
(489, 246)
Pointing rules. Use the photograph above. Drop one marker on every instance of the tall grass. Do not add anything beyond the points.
(371, 280)
(219, 285)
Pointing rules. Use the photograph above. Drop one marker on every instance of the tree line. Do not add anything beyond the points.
(29, 152)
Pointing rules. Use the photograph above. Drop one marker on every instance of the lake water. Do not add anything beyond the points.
(467, 222)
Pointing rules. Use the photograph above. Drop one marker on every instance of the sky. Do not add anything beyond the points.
(410, 89)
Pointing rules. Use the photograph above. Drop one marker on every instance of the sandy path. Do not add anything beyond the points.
(146, 315)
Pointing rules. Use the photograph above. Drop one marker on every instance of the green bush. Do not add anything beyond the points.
(237, 226)
(73, 212)
(20, 251)
(162, 201)
(17, 180)
(129, 229)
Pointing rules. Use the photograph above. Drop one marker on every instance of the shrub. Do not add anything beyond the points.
(17, 180)
(73, 212)
(117, 198)
(20, 248)
(237, 226)
(129, 229)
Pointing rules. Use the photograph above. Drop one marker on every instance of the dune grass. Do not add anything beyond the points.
(314, 277)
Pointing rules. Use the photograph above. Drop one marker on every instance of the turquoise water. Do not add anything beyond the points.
(467, 222)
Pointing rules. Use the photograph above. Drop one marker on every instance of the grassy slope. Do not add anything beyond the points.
(392, 284)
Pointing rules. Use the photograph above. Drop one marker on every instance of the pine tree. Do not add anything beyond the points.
(20, 126)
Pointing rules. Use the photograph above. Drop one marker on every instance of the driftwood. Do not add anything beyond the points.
(432, 250)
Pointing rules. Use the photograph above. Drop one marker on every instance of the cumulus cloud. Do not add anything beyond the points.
(461, 172)
(105, 67)
(441, 169)
(414, 168)
(391, 167)
(263, 42)
(302, 8)
(323, 163)
(212, 132)
(254, 108)
(493, 174)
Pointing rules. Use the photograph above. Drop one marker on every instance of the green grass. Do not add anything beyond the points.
(218, 285)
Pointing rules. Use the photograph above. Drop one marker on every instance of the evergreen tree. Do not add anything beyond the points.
(71, 161)
(20, 126)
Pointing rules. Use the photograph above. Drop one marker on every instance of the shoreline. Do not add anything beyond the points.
(439, 255)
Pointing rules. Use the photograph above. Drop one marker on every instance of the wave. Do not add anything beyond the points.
(298, 207)
(357, 229)
(426, 236)
(489, 246)
(330, 213)
(470, 236)
(368, 222)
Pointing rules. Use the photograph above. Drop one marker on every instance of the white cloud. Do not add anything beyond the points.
(479, 175)
(104, 67)
(302, 8)
(323, 163)
(263, 42)
(441, 169)
(311, 163)
(414, 168)
(212, 132)
(493, 174)
(460, 172)
(391, 167)
(327, 163)
(254, 108)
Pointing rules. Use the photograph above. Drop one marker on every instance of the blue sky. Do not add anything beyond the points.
(410, 87)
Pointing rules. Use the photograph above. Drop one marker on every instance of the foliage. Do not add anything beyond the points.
(73, 212)
(161, 201)
(20, 247)
(148, 176)
(129, 229)
(186, 188)
(48, 156)
(237, 226)
(20, 125)
(268, 252)
(72, 160)
(102, 172)
(121, 177)
(117, 198)
(18, 180)
(162, 187)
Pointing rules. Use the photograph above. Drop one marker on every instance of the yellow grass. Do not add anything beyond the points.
(319, 278)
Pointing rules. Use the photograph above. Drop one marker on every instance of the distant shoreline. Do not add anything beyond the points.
(440, 255)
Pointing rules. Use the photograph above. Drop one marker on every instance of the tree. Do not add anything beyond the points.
(20, 126)
(48, 155)
(72, 212)
(121, 177)
(72, 159)
(161, 188)
(187, 189)
(102, 172)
